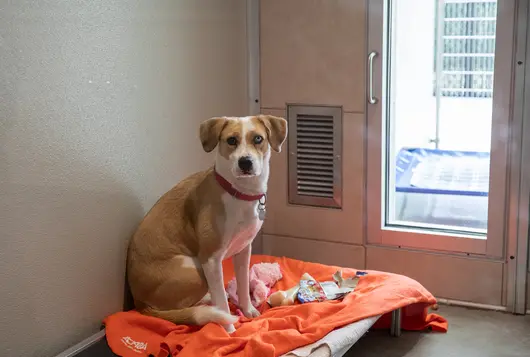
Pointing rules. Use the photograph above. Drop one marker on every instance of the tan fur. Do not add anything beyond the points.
(181, 223)
(232, 129)
(209, 132)
(276, 128)
(216, 131)
(185, 225)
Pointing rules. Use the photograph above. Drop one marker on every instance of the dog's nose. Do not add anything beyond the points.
(245, 163)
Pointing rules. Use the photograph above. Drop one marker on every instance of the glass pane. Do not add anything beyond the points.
(439, 113)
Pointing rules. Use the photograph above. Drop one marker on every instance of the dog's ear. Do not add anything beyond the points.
(209, 132)
(276, 130)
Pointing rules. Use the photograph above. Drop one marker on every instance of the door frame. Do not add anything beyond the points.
(253, 53)
(517, 227)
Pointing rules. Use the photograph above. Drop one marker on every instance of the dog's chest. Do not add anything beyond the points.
(241, 225)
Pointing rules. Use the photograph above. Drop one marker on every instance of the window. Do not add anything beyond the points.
(436, 175)
(465, 46)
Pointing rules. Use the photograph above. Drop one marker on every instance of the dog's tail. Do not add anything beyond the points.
(196, 315)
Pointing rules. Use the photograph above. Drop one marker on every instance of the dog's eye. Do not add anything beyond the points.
(231, 141)
(258, 139)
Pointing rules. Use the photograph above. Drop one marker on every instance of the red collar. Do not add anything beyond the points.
(227, 186)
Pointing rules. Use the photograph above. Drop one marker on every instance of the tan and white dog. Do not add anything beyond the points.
(174, 259)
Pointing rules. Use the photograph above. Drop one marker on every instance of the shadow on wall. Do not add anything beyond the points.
(62, 259)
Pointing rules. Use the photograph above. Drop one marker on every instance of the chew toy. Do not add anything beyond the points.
(286, 297)
(310, 290)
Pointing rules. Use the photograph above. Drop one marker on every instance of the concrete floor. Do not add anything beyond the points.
(472, 333)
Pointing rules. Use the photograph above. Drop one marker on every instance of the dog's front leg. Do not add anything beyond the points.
(213, 271)
(241, 265)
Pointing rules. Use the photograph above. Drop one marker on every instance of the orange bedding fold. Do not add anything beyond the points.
(282, 329)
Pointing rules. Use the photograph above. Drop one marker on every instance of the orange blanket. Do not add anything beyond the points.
(282, 329)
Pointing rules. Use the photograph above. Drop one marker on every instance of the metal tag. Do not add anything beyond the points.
(261, 208)
(261, 214)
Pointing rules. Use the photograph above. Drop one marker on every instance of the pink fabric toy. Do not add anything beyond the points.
(262, 277)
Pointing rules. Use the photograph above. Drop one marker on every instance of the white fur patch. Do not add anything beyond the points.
(241, 224)
(189, 262)
(244, 147)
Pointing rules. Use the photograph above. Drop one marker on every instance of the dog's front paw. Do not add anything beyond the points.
(250, 312)
(230, 328)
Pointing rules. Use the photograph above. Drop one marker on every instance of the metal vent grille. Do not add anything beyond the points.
(315, 175)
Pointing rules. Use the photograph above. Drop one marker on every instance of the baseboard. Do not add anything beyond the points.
(83, 345)
(472, 305)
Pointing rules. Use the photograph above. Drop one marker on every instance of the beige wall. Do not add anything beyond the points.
(99, 108)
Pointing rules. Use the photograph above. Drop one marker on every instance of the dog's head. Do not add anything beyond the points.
(244, 143)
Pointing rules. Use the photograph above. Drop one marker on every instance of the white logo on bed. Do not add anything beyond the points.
(138, 347)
